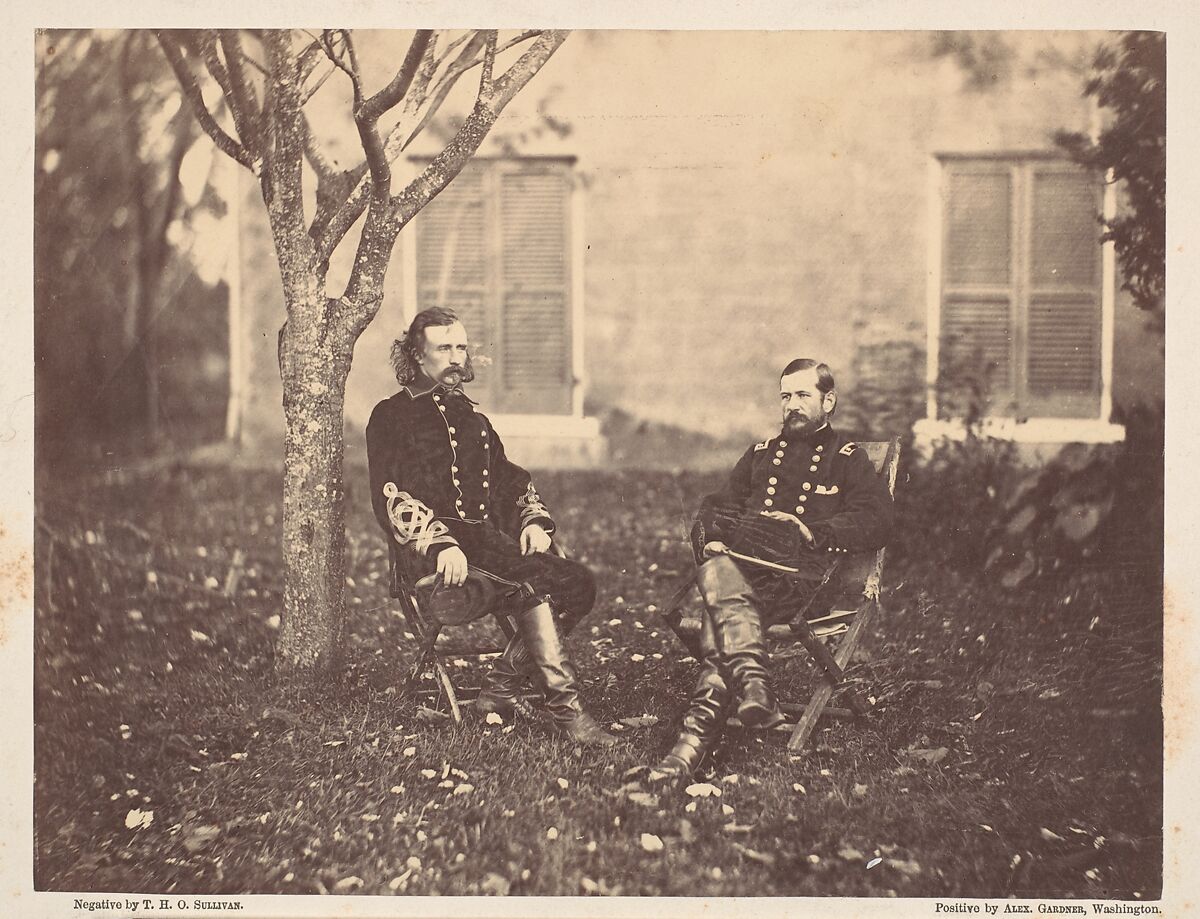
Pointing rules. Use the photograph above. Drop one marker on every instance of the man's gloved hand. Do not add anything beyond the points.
(452, 566)
(715, 547)
(805, 532)
(534, 539)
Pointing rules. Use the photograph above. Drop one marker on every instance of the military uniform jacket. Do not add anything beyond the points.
(824, 480)
(438, 469)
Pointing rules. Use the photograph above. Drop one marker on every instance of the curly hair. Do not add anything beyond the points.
(407, 348)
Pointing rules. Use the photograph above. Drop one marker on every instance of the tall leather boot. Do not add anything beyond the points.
(512, 673)
(740, 641)
(556, 675)
(705, 717)
(509, 678)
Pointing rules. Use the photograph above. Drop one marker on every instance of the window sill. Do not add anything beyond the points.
(1027, 431)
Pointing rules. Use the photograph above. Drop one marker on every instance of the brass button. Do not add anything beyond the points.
(770, 489)
(768, 502)
(812, 468)
(783, 443)
(799, 508)
(807, 486)
(775, 461)
(772, 481)
(820, 448)
(802, 498)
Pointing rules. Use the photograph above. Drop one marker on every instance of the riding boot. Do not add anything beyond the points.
(507, 681)
(512, 675)
(556, 675)
(705, 717)
(740, 640)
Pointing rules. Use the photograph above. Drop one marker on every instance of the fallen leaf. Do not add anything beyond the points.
(873, 862)
(764, 858)
(494, 718)
(702, 790)
(563, 784)
(651, 843)
(350, 883)
(850, 854)
(201, 837)
(860, 790)
(640, 721)
(495, 885)
(796, 786)
(1050, 835)
(138, 819)
(932, 757)
(464, 788)
(645, 799)
(401, 879)
(552, 833)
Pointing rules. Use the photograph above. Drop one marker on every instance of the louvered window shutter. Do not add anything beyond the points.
(1020, 296)
(976, 349)
(495, 246)
(1063, 339)
(535, 264)
(452, 262)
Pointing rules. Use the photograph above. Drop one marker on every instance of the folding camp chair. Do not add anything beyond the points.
(849, 597)
(428, 607)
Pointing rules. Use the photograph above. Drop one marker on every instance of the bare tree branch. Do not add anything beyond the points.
(285, 175)
(206, 42)
(528, 64)
(243, 101)
(191, 92)
(367, 112)
(392, 94)
(447, 164)
(489, 60)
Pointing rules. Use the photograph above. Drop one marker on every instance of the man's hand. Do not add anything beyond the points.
(715, 547)
(534, 539)
(452, 566)
(791, 518)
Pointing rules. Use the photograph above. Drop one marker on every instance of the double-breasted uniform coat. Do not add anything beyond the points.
(823, 479)
(440, 477)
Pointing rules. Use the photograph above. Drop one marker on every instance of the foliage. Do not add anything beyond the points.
(1044, 526)
(1131, 82)
(108, 157)
(166, 761)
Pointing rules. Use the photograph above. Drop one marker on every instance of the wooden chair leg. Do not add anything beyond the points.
(427, 651)
(846, 648)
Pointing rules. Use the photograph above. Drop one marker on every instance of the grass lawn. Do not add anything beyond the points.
(1016, 748)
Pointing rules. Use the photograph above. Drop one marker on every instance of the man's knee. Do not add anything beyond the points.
(719, 578)
(573, 590)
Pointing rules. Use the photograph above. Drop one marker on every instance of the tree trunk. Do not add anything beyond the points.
(314, 531)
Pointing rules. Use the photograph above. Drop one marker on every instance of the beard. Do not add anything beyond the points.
(799, 425)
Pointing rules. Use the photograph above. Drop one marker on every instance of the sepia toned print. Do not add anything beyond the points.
(248, 678)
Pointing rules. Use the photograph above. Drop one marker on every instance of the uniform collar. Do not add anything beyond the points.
(415, 392)
(823, 435)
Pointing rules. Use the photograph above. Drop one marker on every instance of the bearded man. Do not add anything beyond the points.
(442, 487)
(800, 499)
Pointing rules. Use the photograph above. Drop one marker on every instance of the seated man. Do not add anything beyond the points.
(442, 487)
(797, 500)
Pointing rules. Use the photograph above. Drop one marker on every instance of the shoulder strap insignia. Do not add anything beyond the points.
(848, 449)
(762, 446)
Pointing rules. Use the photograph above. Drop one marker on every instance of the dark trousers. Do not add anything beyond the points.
(570, 586)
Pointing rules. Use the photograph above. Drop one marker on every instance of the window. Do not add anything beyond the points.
(496, 247)
(1020, 313)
